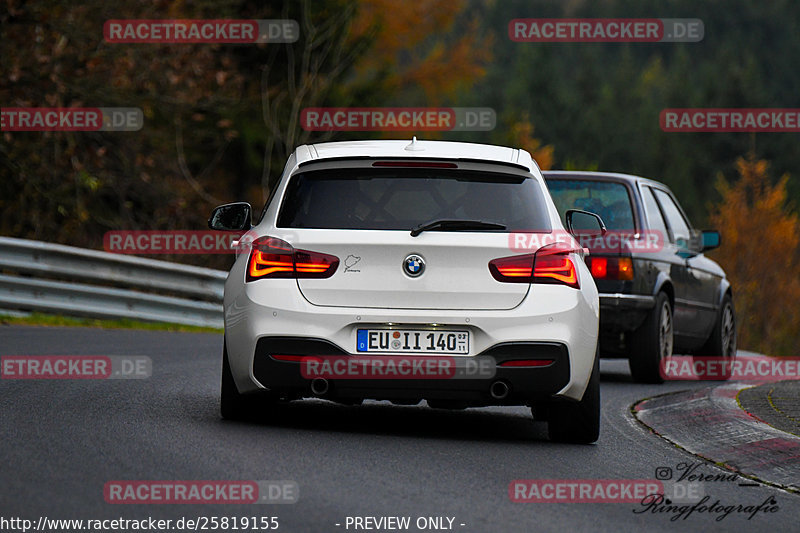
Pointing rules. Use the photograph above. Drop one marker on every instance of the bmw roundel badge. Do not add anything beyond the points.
(414, 265)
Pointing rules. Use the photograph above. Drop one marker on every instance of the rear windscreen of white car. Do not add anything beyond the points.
(608, 199)
(401, 199)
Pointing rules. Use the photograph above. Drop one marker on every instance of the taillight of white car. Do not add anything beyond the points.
(550, 264)
(271, 257)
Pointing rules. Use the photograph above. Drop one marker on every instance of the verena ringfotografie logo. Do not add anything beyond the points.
(614, 241)
(743, 368)
(200, 492)
(398, 119)
(600, 30)
(175, 242)
(75, 367)
(201, 31)
(721, 120)
(393, 367)
(71, 119)
(659, 504)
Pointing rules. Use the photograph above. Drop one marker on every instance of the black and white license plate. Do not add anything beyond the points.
(412, 341)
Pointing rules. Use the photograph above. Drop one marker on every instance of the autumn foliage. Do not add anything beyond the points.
(427, 46)
(521, 135)
(220, 120)
(760, 253)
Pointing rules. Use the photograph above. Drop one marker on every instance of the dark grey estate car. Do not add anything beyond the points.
(655, 297)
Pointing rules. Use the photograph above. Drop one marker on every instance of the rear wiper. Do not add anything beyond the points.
(454, 225)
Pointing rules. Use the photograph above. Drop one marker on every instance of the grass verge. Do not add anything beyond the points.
(43, 319)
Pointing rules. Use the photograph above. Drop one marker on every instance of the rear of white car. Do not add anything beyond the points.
(374, 259)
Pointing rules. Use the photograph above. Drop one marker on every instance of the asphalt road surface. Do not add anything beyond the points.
(61, 441)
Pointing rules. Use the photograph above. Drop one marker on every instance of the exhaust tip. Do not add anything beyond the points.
(499, 390)
(319, 386)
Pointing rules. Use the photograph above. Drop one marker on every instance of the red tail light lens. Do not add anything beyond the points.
(550, 264)
(513, 269)
(289, 358)
(275, 258)
(414, 164)
(555, 269)
(599, 266)
(619, 268)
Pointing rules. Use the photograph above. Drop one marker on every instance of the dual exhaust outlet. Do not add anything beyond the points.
(498, 390)
(319, 386)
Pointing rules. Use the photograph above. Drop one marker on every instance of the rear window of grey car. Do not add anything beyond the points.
(401, 199)
(610, 200)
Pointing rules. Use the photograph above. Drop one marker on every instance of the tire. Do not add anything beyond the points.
(652, 342)
(233, 405)
(722, 341)
(577, 422)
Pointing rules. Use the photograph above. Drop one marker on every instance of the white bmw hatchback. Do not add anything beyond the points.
(387, 270)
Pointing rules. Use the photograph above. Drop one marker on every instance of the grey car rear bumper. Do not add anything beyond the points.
(626, 301)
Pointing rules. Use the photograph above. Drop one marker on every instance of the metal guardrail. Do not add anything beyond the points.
(137, 282)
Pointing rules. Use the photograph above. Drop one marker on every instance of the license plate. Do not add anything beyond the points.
(412, 341)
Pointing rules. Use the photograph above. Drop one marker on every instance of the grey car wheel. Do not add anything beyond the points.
(652, 342)
(722, 341)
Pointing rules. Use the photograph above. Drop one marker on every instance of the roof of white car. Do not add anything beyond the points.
(414, 148)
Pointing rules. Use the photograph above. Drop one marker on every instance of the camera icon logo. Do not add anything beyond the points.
(663, 473)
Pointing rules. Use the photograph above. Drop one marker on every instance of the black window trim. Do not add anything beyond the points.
(664, 216)
(272, 192)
